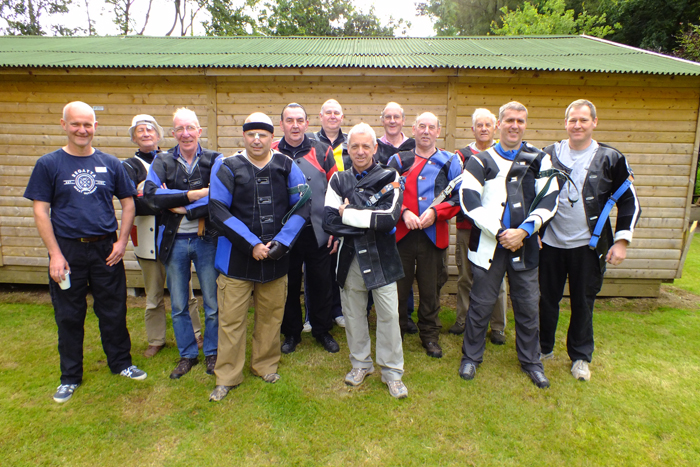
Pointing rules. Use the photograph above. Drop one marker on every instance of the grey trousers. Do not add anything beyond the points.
(464, 286)
(353, 297)
(153, 273)
(525, 295)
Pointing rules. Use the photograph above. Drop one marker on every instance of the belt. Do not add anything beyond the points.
(92, 239)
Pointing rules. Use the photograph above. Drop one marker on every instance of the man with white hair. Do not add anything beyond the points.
(258, 202)
(483, 128)
(331, 116)
(363, 204)
(147, 134)
(178, 185)
(72, 190)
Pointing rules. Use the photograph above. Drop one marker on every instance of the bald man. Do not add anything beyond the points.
(72, 190)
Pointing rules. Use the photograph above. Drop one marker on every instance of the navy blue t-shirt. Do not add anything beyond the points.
(80, 191)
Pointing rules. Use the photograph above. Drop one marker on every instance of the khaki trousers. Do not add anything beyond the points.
(153, 273)
(464, 286)
(388, 344)
(233, 298)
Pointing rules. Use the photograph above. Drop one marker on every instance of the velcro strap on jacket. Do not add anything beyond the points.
(387, 188)
(605, 213)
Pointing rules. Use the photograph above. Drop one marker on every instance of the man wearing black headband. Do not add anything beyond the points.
(257, 231)
(314, 248)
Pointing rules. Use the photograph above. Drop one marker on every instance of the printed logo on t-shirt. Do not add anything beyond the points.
(84, 181)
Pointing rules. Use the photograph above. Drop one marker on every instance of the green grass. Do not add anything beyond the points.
(690, 280)
(640, 408)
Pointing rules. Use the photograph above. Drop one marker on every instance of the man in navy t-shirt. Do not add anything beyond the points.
(72, 190)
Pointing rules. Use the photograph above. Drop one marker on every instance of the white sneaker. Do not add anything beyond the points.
(580, 370)
(307, 327)
(357, 376)
(340, 321)
(397, 389)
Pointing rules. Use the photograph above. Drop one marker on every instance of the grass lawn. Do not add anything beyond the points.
(641, 407)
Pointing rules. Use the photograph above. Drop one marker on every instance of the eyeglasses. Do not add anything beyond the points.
(190, 129)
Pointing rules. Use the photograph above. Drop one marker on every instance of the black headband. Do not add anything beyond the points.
(258, 126)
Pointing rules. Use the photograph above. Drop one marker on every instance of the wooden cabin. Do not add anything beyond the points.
(648, 108)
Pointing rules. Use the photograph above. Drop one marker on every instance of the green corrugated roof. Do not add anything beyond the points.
(546, 53)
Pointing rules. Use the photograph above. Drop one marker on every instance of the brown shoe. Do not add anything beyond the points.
(200, 342)
(183, 367)
(152, 350)
(210, 360)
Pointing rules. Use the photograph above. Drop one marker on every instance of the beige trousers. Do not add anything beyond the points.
(233, 298)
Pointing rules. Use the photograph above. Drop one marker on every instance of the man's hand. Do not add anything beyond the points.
(411, 220)
(341, 208)
(57, 267)
(617, 253)
(194, 195)
(335, 245)
(179, 210)
(118, 249)
(427, 218)
(260, 251)
(512, 239)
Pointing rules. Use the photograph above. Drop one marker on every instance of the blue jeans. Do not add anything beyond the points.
(200, 251)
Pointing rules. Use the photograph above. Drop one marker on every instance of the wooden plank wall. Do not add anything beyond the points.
(652, 119)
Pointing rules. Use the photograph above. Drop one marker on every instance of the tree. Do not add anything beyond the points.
(229, 19)
(689, 43)
(123, 17)
(549, 17)
(184, 17)
(321, 18)
(650, 24)
(463, 17)
(23, 16)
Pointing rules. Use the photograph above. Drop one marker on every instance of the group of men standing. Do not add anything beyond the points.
(370, 214)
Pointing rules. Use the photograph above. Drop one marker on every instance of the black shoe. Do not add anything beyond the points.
(467, 371)
(498, 337)
(290, 344)
(183, 367)
(538, 378)
(457, 328)
(433, 349)
(411, 328)
(211, 363)
(328, 343)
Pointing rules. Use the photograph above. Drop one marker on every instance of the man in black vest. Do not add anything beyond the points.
(146, 133)
(257, 207)
(178, 185)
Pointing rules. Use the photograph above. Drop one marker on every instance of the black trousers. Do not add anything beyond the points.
(90, 273)
(425, 263)
(319, 283)
(585, 280)
(524, 294)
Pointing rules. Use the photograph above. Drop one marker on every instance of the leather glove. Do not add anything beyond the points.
(277, 250)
